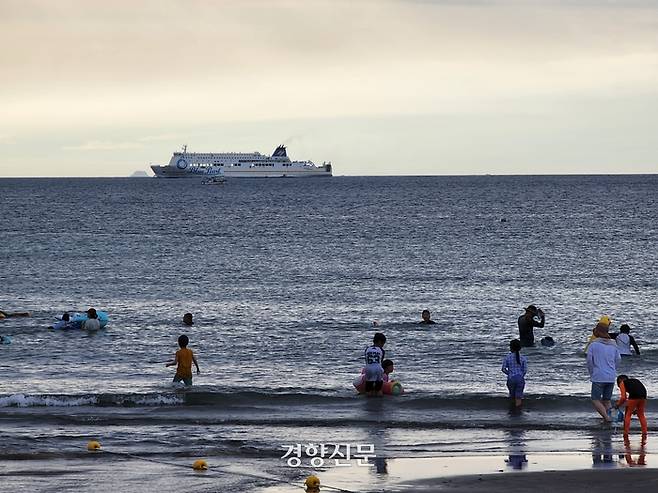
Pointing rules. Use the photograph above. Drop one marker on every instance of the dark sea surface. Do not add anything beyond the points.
(284, 278)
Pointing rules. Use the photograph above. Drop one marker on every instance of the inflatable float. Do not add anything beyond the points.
(76, 319)
(392, 387)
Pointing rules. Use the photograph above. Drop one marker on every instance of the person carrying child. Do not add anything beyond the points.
(374, 355)
(515, 367)
(184, 358)
(635, 403)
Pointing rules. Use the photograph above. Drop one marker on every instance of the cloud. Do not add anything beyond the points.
(99, 145)
(160, 137)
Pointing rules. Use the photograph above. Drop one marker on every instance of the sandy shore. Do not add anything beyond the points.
(595, 480)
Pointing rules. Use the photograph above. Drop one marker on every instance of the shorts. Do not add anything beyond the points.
(186, 380)
(374, 373)
(376, 386)
(516, 386)
(602, 391)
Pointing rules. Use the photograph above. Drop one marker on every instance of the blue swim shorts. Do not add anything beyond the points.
(516, 386)
(602, 391)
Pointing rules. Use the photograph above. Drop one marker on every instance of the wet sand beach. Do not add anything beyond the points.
(635, 480)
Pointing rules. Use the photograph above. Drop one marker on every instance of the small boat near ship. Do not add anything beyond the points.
(186, 164)
(214, 180)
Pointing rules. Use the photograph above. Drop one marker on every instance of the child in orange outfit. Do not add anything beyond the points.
(637, 398)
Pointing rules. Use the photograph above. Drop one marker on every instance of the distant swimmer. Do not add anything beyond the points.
(92, 323)
(4, 314)
(533, 317)
(63, 323)
(426, 320)
(547, 341)
(188, 319)
(625, 340)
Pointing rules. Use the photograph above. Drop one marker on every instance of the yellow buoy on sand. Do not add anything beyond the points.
(312, 484)
(94, 445)
(200, 465)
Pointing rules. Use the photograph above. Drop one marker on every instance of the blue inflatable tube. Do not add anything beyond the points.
(76, 320)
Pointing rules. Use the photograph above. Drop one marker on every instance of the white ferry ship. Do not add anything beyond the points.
(238, 165)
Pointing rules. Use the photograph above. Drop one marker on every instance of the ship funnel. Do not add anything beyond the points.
(280, 152)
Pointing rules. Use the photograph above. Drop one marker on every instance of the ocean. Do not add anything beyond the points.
(285, 278)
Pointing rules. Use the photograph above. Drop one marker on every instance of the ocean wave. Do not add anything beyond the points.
(101, 400)
(218, 400)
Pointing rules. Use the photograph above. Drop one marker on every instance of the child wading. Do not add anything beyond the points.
(184, 358)
(374, 373)
(515, 367)
(637, 398)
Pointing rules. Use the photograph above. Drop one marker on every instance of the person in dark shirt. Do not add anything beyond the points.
(637, 398)
(426, 320)
(527, 322)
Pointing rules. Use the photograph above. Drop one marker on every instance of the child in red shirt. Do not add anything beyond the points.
(637, 398)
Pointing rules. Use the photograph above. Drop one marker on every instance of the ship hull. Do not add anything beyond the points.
(173, 172)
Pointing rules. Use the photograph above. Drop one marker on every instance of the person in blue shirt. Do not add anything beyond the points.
(515, 367)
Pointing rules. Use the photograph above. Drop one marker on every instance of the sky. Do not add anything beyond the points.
(377, 87)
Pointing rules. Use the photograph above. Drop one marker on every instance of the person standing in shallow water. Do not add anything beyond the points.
(527, 322)
(602, 360)
(426, 320)
(515, 367)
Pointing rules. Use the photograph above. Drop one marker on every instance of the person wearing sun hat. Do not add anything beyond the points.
(602, 360)
(604, 323)
(533, 317)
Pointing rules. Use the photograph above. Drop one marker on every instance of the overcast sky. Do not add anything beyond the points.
(98, 88)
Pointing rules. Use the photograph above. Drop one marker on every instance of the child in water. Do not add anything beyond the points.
(637, 398)
(374, 373)
(184, 358)
(515, 367)
(360, 381)
(388, 367)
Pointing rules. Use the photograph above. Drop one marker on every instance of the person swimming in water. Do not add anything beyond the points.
(4, 314)
(426, 320)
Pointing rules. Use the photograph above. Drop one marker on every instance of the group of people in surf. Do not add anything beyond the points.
(604, 352)
(375, 379)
